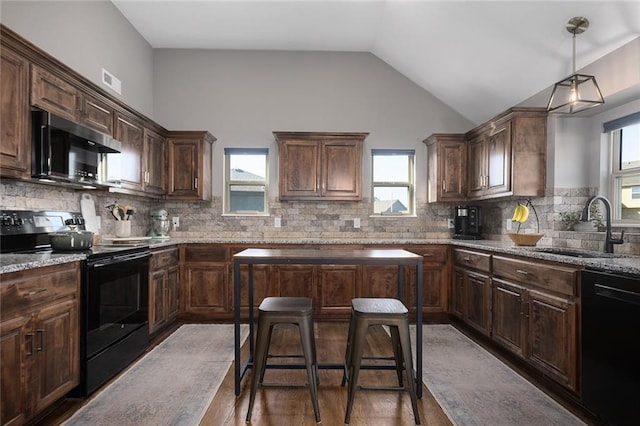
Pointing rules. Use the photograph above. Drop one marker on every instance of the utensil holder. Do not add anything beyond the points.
(122, 228)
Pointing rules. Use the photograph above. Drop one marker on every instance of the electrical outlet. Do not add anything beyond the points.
(175, 220)
(277, 222)
(356, 222)
(450, 224)
(509, 224)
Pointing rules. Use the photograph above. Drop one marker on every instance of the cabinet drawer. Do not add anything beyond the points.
(164, 258)
(24, 289)
(554, 277)
(472, 259)
(437, 254)
(205, 253)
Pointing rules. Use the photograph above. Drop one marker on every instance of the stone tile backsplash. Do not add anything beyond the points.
(328, 220)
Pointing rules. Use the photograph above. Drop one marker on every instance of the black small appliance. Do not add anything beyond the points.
(467, 223)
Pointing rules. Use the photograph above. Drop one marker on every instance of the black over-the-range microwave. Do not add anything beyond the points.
(66, 153)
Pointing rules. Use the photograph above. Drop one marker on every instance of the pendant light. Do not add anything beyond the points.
(577, 92)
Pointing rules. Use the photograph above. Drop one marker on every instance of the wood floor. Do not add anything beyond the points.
(292, 407)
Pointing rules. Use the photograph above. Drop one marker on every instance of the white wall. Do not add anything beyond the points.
(88, 36)
(241, 97)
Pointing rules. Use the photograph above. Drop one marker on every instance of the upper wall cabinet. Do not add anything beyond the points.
(320, 165)
(54, 94)
(446, 167)
(507, 156)
(189, 165)
(15, 149)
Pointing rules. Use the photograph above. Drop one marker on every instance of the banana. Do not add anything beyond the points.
(520, 214)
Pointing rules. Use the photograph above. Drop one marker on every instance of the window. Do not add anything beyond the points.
(625, 171)
(246, 180)
(393, 181)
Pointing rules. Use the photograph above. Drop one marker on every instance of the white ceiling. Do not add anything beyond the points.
(478, 57)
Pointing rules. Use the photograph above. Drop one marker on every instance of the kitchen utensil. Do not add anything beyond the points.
(88, 209)
(71, 240)
(121, 213)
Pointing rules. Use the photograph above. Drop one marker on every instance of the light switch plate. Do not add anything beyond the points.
(509, 224)
(277, 222)
(175, 220)
(356, 222)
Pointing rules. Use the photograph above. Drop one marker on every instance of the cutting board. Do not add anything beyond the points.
(88, 209)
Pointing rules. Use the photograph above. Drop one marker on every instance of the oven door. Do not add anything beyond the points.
(115, 315)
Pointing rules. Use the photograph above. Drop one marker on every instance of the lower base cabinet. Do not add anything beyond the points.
(164, 290)
(535, 315)
(39, 339)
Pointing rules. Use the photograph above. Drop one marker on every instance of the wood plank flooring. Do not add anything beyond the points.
(292, 407)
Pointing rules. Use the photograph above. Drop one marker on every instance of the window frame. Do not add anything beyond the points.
(614, 131)
(410, 184)
(228, 183)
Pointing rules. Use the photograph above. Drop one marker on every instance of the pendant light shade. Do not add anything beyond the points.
(577, 92)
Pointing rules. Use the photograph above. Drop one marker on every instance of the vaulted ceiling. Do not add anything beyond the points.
(478, 57)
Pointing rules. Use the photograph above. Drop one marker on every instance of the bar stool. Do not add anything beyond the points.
(366, 312)
(285, 310)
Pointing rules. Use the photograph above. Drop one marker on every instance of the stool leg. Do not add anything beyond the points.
(355, 360)
(405, 342)
(397, 352)
(266, 353)
(347, 355)
(259, 360)
(306, 337)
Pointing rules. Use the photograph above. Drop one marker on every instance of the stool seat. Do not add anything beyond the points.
(286, 305)
(285, 310)
(382, 306)
(366, 312)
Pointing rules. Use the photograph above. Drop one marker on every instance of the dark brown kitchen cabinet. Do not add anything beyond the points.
(96, 114)
(507, 155)
(39, 336)
(189, 165)
(471, 288)
(535, 315)
(435, 280)
(205, 282)
(320, 165)
(337, 286)
(54, 94)
(15, 149)
(446, 168)
(130, 161)
(164, 281)
(154, 159)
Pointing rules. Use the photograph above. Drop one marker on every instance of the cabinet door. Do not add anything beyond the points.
(55, 95)
(172, 292)
(189, 156)
(263, 286)
(15, 347)
(96, 115)
(552, 329)
(478, 291)
(379, 281)
(57, 351)
(295, 280)
(337, 287)
(477, 158)
(154, 163)
(452, 163)
(157, 302)
(342, 170)
(458, 298)
(131, 157)
(205, 288)
(499, 160)
(15, 149)
(300, 166)
(509, 323)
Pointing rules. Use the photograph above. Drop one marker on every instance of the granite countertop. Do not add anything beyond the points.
(619, 263)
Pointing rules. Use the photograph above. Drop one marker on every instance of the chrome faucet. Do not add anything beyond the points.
(586, 215)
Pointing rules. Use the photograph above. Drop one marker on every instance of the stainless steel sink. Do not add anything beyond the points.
(585, 254)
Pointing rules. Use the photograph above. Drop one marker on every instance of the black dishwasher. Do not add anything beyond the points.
(611, 346)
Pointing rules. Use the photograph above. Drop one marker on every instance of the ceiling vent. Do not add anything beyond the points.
(111, 81)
